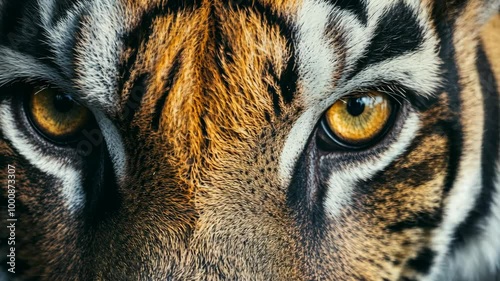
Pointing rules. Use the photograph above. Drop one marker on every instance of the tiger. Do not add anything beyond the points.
(250, 140)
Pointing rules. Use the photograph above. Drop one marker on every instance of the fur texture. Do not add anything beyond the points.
(205, 164)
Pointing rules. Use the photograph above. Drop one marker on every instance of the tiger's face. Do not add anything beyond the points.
(251, 140)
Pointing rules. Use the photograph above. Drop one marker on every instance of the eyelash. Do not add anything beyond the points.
(329, 141)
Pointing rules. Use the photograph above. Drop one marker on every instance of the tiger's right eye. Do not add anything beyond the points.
(56, 116)
(358, 121)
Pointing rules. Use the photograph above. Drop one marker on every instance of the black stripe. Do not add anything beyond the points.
(133, 40)
(449, 9)
(423, 261)
(272, 89)
(421, 220)
(171, 76)
(20, 30)
(204, 133)
(140, 35)
(452, 87)
(99, 181)
(10, 16)
(134, 100)
(226, 49)
(306, 193)
(61, 9)
(407, 279)
(288, 80)
(397, 33)
(357, 7)
(75, 27)
(407, 175)
(445, 12)
(289, 76)
(490, 150)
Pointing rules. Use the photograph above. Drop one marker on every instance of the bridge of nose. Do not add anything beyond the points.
(204, 139)
(209, 74)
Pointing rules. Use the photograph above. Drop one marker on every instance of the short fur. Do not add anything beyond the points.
(206, 164)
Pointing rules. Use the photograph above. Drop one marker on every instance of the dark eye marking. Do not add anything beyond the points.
(398, 33)
(358, 7)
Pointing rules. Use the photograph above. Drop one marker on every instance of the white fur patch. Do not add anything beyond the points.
(316, 60)
(490, 8)
(98, 54)
(295, 143)
(60, 169)
(341, 183)
(15, 65)
(114, 144)
(46, 10)
(57, 36)
(479, 257)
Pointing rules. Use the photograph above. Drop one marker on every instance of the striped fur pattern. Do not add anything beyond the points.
(206, 165)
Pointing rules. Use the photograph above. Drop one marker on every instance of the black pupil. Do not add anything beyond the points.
(63, 103)
(355, 106)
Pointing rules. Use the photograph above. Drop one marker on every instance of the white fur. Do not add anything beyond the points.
(316, 65)
(341, 183)
(295, 143)
(15, 65)
(423, 72)
(46, 10)
(491, 7)
(460, 202)
(98, 54)
(479, 257)
(58, 35)
(59, 168)
(114, 144)
(316, 61)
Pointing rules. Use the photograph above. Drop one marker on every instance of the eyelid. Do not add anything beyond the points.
(400, 93)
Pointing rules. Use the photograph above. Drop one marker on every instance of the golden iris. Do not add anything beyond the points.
(359, 118)
(56, 115)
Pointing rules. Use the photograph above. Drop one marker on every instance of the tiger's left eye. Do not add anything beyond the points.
(56, 115)
(357, 121)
